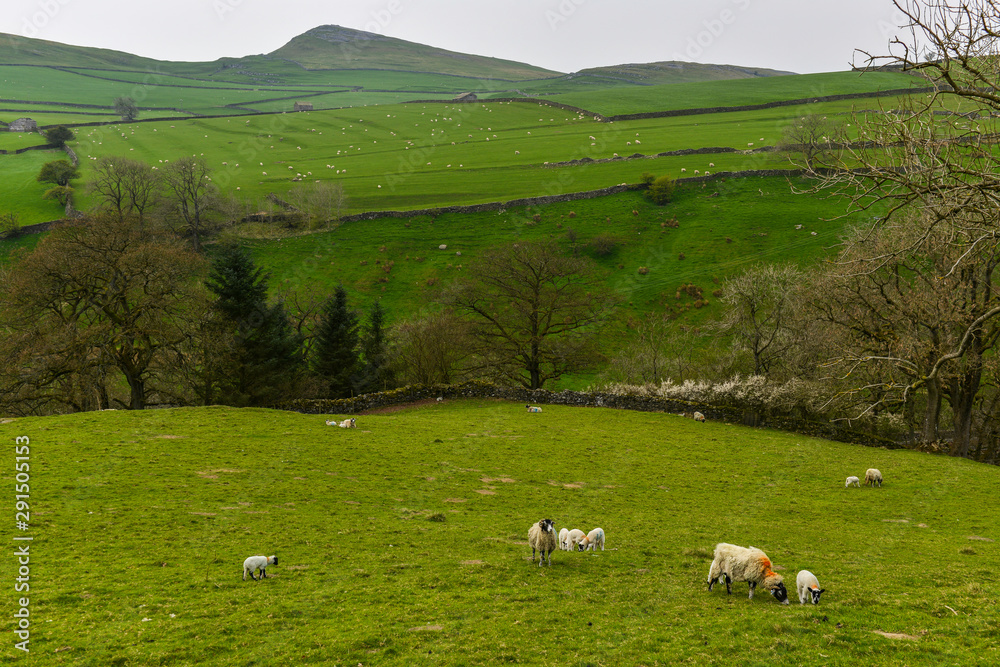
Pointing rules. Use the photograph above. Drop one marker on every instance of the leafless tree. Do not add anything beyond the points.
(192, 195)
(124, 186)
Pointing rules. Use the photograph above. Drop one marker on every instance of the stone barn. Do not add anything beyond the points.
(465, 97)
(24, 125)
(303, 106)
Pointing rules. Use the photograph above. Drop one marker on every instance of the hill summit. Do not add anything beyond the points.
(336, 47)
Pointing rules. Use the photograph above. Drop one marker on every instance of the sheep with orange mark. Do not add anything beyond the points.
(594, 539)
(873, 477)
(733, 563)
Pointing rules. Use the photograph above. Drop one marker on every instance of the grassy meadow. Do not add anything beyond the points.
(404, 541)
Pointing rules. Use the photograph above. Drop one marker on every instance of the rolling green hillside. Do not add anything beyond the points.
(334, 47)
(676, 72)
(403, 542)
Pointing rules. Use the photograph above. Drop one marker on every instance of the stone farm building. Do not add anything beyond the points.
(24, 125)
(303, 106)
(465, 97)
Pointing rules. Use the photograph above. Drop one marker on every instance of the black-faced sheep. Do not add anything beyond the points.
(742, 564)
(258, 563)
(808, 587)
(542, 538)
(873, 477)
(853, 480)
(594, 539)
(349, 423)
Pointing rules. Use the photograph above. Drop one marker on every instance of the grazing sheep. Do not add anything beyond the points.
(349, 423)
(594, 539)
(698, 417)
(808, 586)
(573, 539)
(853, 480)
(563, 539)
(733, 563)
(873, 477)
(533, 408)
(258, 563)
(542, 538)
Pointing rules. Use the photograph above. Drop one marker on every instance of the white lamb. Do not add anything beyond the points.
(258, 563)
(808, 586)
(563, 539)
(873, 477)
(732, 563)
(533, 408)
(594, 539)
(573, 539)
(349, 423)
(853, 480)
(542, 538)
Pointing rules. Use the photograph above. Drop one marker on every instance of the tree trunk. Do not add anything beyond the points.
(932, 413)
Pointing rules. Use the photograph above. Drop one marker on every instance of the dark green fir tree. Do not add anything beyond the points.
(335, 359)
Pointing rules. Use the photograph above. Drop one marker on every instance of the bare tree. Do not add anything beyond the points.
(922, 161)
(93, 299)
(124, 186)
(534, 311)
(192, 195)
(812, 136)
(430, 349)
(759, 318)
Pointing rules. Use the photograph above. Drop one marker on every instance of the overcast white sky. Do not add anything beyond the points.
(563, 35)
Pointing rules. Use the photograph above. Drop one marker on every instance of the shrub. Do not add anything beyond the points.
(643, 270)
(603, 244)
(647, 178)
(661, 191)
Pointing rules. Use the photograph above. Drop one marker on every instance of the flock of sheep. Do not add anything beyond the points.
(542, 538)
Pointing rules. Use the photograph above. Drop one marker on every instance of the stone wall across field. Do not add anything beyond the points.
(414, 393)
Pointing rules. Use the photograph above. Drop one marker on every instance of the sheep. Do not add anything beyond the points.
(733, 563)
(563, 541)
(542, 538)
(258, 563)
(573, 539)
(853, 480)
(349, 423)
(533, 408)
(873, 477)
(808, 585)
(698, 417)
(594, 539)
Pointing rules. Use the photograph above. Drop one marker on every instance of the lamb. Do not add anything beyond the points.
(542, 538)
(853, 480)
(563, 539)
(573, 539)
(349, 423)
(258, 563)
(873, 477)
(533, 408)
(594, 539)
(808, 585)
(733, 563)
(698, 417)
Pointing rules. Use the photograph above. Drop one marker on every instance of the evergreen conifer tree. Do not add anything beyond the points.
(376, 374)
(335, 350)
(264, 362)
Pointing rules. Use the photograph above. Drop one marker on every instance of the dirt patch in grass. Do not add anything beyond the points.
(896, 635)
(980, 539)
(486, 492)
(490, 480)
(454, 500)
(170, 437)
(427, 628)
(470, 562)
(213, 474)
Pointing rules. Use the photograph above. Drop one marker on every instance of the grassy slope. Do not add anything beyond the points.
(334, 47)
(735, 93)
(141, 522)
(678, 72)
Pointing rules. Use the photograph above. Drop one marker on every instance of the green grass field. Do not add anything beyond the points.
(403, 542)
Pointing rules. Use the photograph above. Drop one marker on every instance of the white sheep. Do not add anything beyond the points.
(852, 480)
(873, 477)
(732, 563)
(698, 417)
(542, 538)
(258, 563)
(349, 423)
(808, 586)
(594, 539)
(533, 408)
(563, 539)
(573, 539)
